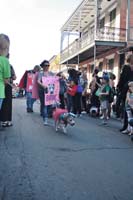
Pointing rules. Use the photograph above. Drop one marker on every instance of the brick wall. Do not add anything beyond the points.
(123, 13)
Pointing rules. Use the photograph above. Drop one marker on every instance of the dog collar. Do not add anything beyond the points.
(62, 117)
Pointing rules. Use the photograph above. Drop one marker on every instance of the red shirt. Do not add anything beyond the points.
(72, 91)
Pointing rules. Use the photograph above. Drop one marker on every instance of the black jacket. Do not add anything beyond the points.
(125, 77)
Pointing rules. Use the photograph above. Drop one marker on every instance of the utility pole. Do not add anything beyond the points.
(128, 20)
(79, 39)
(97, 26)
(95, 31)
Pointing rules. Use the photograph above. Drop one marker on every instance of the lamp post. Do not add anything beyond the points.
(95, 32)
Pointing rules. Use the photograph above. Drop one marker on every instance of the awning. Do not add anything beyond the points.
(84, 14)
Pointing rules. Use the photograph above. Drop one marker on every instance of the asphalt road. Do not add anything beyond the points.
(90, 162)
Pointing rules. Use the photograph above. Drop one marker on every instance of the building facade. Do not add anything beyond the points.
(98, 34)
(55, 63)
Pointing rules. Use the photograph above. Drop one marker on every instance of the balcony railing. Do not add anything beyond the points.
(111, 34)
(103, 34)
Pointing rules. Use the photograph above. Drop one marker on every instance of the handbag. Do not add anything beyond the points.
(98, 92)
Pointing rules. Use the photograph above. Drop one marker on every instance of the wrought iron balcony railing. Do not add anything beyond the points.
(103, 34)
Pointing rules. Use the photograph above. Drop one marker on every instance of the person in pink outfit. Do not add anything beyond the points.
(26, 82)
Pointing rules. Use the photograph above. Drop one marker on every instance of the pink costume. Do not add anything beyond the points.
(35, 93)
(58, 112)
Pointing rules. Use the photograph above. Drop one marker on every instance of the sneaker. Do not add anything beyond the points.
(56, 129)
(122, 129)
(125, 132)
(29, 110)
(102, 117)
(45, 122)
(83, 112)
(4, 124)
(9, 123)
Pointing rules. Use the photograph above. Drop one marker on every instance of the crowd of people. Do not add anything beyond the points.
(72, 90)
(102, 100)
(99, 98)
(106, 98)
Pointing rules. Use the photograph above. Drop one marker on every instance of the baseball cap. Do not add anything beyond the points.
(105, 76)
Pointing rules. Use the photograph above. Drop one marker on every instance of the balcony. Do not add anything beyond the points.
(104, 36)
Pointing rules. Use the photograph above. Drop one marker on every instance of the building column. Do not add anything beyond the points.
(123, 20)
(130, 20)
(116, 66)
(123, 14)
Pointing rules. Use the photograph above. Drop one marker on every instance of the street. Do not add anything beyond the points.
(90, 162)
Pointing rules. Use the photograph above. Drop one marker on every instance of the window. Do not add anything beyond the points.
(102, 22)
(111, 64)
(113, 17)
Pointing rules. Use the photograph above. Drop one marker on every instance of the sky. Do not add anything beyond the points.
(34, 29)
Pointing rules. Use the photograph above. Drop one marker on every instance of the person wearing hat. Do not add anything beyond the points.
(43, 89)
(104, 97)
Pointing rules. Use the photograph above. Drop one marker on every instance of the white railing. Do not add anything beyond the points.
(103, 34)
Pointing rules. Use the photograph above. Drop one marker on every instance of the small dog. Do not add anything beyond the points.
(62, 119)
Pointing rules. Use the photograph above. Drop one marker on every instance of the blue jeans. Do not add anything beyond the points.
(1, 101)
(46, 111)
(29, 101)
